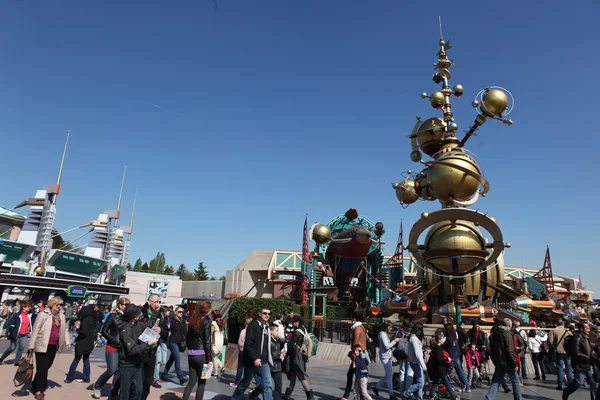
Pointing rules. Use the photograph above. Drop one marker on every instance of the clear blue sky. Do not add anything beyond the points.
(234, 122)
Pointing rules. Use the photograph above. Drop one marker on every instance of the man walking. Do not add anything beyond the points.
(150, 318)
(504, 358)
(257, 357)
(581, 361)
(557, 337)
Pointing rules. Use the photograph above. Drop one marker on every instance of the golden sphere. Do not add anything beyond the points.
(321, 234)
(458, 90)
(406, 192)
(424, 215)
(455, 249)
(446, 181)
(493, 219)
(430, 135)
(415, 156)
(437, 99)
(422, 187)
(494, 102)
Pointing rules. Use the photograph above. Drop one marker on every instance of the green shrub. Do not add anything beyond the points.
(331, 312)
(243, 306)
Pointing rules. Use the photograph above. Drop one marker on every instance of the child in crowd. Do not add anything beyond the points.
(278, 355)
(360, 361)
(473, 360)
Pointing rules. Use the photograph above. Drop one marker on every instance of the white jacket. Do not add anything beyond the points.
(415, 352)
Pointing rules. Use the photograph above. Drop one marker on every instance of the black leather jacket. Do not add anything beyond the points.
(202, 339)
(110, 329)
(581, 360)
(132, 351)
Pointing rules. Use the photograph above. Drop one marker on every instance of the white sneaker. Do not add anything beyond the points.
(97, 393)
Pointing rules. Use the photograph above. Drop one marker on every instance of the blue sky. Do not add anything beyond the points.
(237, 121)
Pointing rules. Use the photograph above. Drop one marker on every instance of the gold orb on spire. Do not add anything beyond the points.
(430, 135)
(437, 99)
(494, 103)
(321, 234)
(406, 192)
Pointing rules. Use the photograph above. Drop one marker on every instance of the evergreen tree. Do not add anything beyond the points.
(201, 273)
(169, 270)
(161, 262)
(181, 270)
(212, 278)
(222, 278)
(138, 265)
(145, 267)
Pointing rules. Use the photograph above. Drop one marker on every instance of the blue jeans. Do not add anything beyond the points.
(19, 343)
(405, 375)
(240, 368)
(174, 358)
(131, 383)
(264, 372)
(75, 363)
(387, 379)
(562, 361)
(112, 369)
(461, 373)
(418, 379)
(498, 379)
(161, 359)
(577, 382)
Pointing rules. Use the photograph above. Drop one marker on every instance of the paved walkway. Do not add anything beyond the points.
(327, 380)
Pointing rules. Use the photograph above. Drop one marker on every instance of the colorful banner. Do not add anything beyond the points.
(159, 288)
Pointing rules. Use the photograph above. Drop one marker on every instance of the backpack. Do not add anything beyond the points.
(401, 350)
(310, 343)
(570, 345)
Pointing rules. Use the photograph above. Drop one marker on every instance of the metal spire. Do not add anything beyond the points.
(133, 213)
(62, 164)
(116, 221)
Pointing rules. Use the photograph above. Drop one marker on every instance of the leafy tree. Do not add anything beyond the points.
(161, 262)
(222, 278)
(212, 278)
(201, 272)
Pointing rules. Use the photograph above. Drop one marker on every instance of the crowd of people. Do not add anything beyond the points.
(456, 360)
(143, 344)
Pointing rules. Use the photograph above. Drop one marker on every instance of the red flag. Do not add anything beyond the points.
(306, 254)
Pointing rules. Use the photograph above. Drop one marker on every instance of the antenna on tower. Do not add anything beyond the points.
(116, 221)
(440, 19)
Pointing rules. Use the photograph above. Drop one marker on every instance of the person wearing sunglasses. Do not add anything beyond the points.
(257, 357)
(176, 344)
(49, 336)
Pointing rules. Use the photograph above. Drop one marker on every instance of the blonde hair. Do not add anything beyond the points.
(54, 301)
(123, 301)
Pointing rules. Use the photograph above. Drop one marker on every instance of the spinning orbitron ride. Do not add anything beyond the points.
(455, 256)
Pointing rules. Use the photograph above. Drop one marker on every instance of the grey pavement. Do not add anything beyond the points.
(327, 381)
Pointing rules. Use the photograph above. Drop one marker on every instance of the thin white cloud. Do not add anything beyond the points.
(164, 108)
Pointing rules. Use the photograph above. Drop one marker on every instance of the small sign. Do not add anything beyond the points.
(76, 291)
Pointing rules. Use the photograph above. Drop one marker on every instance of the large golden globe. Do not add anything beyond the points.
(406, 192)
(494, 103)
(455, 249)
(447, 179)
(321, 234)
(430, 135)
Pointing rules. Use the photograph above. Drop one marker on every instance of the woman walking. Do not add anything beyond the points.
(385, 354)
(49, 335)
(176, 344)
(441, 361)
(297, 359)
(534, 344)
(110, 332)
(216, 329)
(84, 344)
(199, 349)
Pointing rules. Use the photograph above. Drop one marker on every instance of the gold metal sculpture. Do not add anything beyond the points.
(455, 249)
